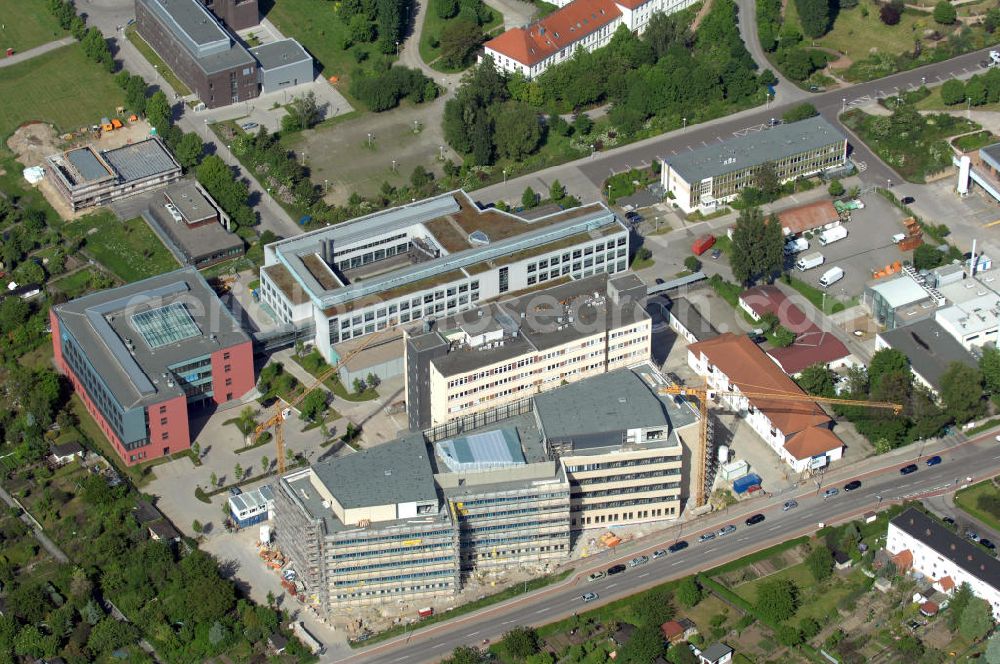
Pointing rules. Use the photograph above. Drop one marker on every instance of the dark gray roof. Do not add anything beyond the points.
(614, 401)
(280, 53)
(387, 474)
(146, 512)
(970, 557)
(87, 164)
(716, 651)
(66, 449)
(141, 160)
(690, 317)
(991, 152)
(164, 530)
(930, 348)
(754, 148)
(102, 324)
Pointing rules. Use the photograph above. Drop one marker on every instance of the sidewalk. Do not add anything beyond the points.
(18, 58)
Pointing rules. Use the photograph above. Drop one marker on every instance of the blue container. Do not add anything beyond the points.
(744, 484)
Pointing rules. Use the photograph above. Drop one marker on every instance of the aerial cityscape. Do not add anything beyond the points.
(518, 331)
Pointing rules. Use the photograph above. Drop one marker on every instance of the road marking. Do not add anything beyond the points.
(508, 622)
(644, 575)
(676, 562)
(612, 585)
(992, 223)
(440, 645)
(400, 659)
(773, 528)
(473, 634)
(544, 609)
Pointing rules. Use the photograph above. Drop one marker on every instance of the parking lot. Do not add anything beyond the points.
(867, 247)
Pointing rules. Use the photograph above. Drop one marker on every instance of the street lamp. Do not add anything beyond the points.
(370, 137)
(592, 148)
(888, 183)
(441, 151)
(685, 121)
(505, 176)
(609, 194)
(397, 48)
(326, 187)
(843, 104)
(393, 165)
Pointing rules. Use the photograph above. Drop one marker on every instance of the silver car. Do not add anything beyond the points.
(789, 505)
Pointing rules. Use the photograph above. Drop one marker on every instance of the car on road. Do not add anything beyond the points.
(725, 530)
(716, 253)
(988, 544)
(706, 537)
(641, 560)
(659, 553)
(589, 597)
(934, 460)
(247, 126)
(677, 546)
(616, 569)
(972, 535)
(829, 493)
(906, 470)
(789, 505)
(852, 485)
(596, 576)
(756, 518)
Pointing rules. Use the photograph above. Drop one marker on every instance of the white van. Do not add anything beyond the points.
(831, 276)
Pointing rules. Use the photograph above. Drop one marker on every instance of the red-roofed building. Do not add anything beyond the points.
(811, 346)
(798, 431)
(587, 24)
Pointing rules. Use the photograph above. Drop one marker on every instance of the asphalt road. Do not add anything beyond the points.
(882, 485)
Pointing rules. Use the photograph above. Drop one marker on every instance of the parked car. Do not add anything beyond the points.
(972, 535)
(789, 505)
(659, 553)
(756, 338)
(725, 530)
(641, 560)
(934, 460)
(247, 126)
(829, 493)
(589, 597)
(716, 253)
(852, 485)
(950, 521)
(756, 518)
(616, 569)
(906, 470)
(660, 282)
(907, 200)
(596, 576)
(677, 546)
(706, 537)
(988, 544)
(235, 491)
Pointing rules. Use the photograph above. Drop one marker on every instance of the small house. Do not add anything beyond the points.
(672, 631)
(623, 634)
(717, 653)
(144, 512)
(162, 531)
(883, 584)
(65, 452)
(929, 609)
(277, 643)
(841, 560)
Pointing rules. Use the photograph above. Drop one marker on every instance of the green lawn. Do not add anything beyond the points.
(130, 249)
(933, 102)
(434, 26)
(854, 35)
(75, 284)
(155, 60)
(819, 602)
(62, 87)
(26, 24)
(968, 499)
(829, 305)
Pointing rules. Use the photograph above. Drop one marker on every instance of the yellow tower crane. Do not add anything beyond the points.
(703, 393)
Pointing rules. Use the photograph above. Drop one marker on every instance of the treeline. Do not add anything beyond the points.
(667, 73)
(95, 46)
(276, 167)
(785, 41)
(384, 90)
(375, 21)
(977, 91)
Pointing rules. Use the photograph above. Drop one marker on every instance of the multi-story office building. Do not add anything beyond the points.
(430, 259)
(408, 520)
(706, 177)
(142, 357)
(509, 350)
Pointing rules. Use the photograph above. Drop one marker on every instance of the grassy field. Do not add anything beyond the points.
(129, 249)
(26, 24)
(75, 284)
(854, 35)
(968, 500)
(817, 602)
(155, 60)
(933, 103)
(62, 87)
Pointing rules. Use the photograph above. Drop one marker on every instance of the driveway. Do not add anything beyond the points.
(516, 13)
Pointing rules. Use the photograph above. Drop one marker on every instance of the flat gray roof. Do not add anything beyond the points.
(754, 148)
(930, 348)
(614, 401)
(102, 324)
(87, 164)
(141, 160)
(280, 53)
(396, 472)
(199, 32)
(190, 202)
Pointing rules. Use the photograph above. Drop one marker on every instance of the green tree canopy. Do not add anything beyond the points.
(976, 620)
(944, 13)
(459, 41)
(777, 600)
(517, 130)
(814, 16)
(820, 563)
(645, 645)
(520, 642)
(817, 379)
(688, 591)
(962, 392)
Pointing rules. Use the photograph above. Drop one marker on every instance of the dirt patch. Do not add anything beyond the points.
(33, 142)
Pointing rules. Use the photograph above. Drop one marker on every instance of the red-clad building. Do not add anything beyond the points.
(147, 356)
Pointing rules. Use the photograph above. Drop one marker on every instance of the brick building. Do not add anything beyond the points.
(144, 356)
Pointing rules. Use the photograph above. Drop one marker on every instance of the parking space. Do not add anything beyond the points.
(868, 247)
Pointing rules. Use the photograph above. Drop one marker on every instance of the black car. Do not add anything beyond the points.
(659, 282)
(988, 544)
(907, 200)
(756, 518)
(617, 569)
(677, 546)
(757, 338)
(950, 521)
(906, 470)
(851, 486)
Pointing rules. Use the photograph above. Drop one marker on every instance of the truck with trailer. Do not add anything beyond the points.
(832, 235)
(809, 261)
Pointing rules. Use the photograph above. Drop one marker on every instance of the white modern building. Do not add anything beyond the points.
(586, 24)
(799, 432)
(924, 545)
(427, 260)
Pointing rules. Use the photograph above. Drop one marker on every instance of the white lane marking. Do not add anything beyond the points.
(773, 528)
(612, 585)
(440, 645)
(473, 634)
(643, 576)
(508, 622)
(400, 659)
(544, 609)
(676, 562)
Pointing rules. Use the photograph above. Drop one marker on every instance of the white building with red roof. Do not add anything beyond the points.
(587, 24)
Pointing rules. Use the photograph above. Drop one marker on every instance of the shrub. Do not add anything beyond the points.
(890, 13)
(944, 13)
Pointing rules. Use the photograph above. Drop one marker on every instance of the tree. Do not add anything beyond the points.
(789, 636)
(91, 612)
(373, 380)
(953, 92)
(420, 178)
(213, 479)
(926, 257)
(446, 8)
(835, 189)
(14, 313)
(809, 627)
(517, 130)
(959, 601)
(766, 179)
(990, 24)
(680, 653)
(265, 464)
(246, 421)
(976, 620)
(306, 110)
(692, 263)
(217, 633)
(758, 246)
(962, 392)
(814, 16)
(238, 472)
(820, 563)
(582, 124)
(313, 405)
(989, 365)
(111, 634)
(777, 600)
(158, 111)
(800, 112)
(135, 93)
(890, 12)
(196, 526)
(96, 48)
(557, 191)
(459, 41)
(653, 607)
(529, 198)
(645, 645)
(189, 150)
(944, 13)
(465, 655)
(817, 379)
(688, 591)
(520, 642)
(887, 363)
